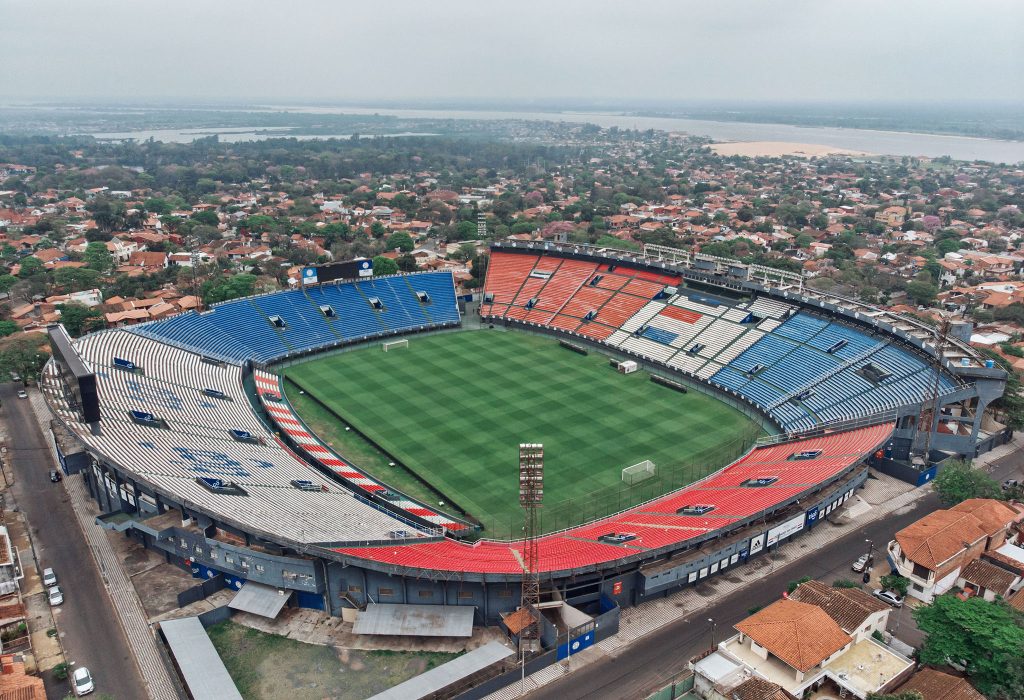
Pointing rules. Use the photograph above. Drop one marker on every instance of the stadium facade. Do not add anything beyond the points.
(193, 449)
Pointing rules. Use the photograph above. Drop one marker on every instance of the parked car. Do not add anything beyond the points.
(49, 578)
(55, 476)
(22, 394)
(56, 595)
(860, 564)
(1011, 484)
(82, 680)
(889, 597)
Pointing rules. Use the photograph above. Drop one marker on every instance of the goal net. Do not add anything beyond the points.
(639, 472)
(394, 344)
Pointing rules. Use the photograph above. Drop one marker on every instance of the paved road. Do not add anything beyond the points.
(91, 633)
(653, 661)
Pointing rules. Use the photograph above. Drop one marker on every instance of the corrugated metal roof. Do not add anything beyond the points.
(201, 667)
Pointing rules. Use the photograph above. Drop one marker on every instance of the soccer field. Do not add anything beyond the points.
(454, 407)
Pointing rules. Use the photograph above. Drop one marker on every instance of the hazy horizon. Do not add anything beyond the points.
(460, 52)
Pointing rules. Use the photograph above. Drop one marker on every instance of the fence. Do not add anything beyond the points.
(609, 500)
(675, 689)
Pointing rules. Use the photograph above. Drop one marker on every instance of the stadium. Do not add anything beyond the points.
(355, 441)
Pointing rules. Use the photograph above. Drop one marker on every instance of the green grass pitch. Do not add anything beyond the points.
(454, 407)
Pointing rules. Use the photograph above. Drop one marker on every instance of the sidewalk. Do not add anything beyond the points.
(880, 497)
(122, 594)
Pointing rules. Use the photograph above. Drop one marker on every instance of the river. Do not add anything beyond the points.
(895, 143)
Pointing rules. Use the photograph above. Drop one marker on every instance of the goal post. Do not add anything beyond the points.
(639, 472)
(394, 344)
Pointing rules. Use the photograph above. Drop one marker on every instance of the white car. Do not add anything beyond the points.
(56, 595)
(82, 681)
(889, 597)
(49, 578)
(861, 563)
(22, 394)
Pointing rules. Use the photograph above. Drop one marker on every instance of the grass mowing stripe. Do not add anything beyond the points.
(454, 407)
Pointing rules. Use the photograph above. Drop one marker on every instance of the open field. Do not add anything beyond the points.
(777, 149)
(266, 666)
(454, 407)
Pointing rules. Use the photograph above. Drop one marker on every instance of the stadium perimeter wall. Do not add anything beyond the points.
(208, 547)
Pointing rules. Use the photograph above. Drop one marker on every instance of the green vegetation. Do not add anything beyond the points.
(22, 354)
(985, 638)
(958, 481)
(454, 407)
(266, 666)
(793, 585)
(897, 583)
(384, 266)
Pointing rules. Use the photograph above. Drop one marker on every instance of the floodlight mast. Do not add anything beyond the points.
(531, 494)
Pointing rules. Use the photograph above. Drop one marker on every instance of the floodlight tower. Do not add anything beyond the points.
(941, 340)
(531, 493)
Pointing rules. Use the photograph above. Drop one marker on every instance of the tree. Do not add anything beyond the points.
(895, 582)
(23, 354)
(6, 282)
(465, 231)
(465, 252)
(207, 217)
(923, 293)
(155, 205)
(986, 638)
(400, 240)
(406, 263)
(30, 266)
(241, 285)
(8, 328)
(957, 482)
(75, 279)
(98, 258)
(384, 266)
(78, 318)
(905, 695)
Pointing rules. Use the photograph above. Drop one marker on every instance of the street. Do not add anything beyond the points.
(88, 625)
(653, 661)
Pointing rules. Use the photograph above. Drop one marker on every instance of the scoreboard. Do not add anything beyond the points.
(359, 268)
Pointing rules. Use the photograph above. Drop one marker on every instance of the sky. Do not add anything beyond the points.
(351, 51)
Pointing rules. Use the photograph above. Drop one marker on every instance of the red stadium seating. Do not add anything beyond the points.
(680, 314)
(507, 274)
(656, 524)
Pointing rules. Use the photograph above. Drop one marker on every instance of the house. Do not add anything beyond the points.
(857, 613)
(148, 260)
(15, 683)
(933, 551)
(800, 648)
(936, 685)
(891, 216)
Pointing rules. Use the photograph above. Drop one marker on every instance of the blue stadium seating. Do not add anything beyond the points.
(241, 329)
(801, 327)
(659, 335)
(794, 358)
